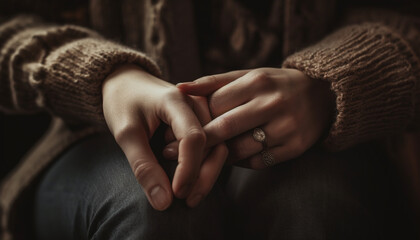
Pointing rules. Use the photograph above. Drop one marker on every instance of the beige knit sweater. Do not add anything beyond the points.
(373, 67)
(371, 60)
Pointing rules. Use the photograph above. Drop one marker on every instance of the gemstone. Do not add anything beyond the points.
(259, 135)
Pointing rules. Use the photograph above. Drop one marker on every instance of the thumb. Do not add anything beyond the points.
(207, 85)
(151, 176)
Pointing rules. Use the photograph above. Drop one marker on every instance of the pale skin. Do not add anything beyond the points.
(134, 104)
(291, 108)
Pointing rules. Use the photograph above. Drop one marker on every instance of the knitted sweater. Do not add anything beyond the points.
(370, 57)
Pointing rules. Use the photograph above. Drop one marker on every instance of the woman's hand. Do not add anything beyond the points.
(134, 104)
(292, 109)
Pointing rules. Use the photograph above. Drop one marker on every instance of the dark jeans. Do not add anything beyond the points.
(90, 193)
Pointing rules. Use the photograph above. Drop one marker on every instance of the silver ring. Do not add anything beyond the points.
(267, 158)
(260, 136)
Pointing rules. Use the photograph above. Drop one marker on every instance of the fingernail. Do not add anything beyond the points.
(195, 200)
(159, 198)
(183, 192)
(169, 153)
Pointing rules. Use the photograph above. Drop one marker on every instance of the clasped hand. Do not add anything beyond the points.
(210, 123)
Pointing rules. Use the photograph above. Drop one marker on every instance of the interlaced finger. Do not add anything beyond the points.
(188, 131)
(238, 120)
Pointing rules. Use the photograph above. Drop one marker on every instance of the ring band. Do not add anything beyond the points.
(260, 136)
(267, 158)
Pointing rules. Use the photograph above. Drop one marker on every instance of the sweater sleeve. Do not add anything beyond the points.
(59, 69)
(373, 66)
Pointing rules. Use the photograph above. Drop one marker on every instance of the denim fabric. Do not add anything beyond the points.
(90, 193)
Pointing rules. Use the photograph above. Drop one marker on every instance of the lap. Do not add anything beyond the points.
(90, 192)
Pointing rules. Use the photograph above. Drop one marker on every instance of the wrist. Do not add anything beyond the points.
(119, 73)
(129, 76)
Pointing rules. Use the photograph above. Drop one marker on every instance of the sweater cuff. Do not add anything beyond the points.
(73, 76)
(373, 74)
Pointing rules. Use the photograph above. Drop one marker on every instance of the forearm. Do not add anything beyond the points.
(374, 72)
(58, 68)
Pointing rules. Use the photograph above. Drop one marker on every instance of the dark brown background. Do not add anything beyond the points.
(18, 134)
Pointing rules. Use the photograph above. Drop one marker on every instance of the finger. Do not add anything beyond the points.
(208, 84)
(188, 131)
(276, 132)
(201, 109)
(147, 170)
(238, 92)
(200, 106)
(270, 157)
(209, 173)
(238, 120)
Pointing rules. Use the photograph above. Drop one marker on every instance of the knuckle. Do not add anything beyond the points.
(278, 98)
(123, 131)
(143, 170)
(259, 74)
(277, 102)
(258, 78)
(197, 135)
(274, 102)
(269, 105)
